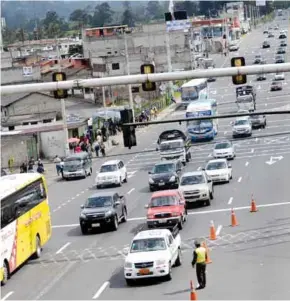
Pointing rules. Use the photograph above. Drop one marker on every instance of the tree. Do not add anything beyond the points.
(102, 15)
(205, 7)
(154, 10)
(189, 6)
(80, 16)
(51, 17)
(128, 18)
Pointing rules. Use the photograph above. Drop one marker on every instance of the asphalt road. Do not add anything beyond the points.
(250, 261)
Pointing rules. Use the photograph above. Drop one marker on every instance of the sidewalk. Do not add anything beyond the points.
(50, 168)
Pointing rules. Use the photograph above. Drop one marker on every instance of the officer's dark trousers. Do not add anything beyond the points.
(200, 274)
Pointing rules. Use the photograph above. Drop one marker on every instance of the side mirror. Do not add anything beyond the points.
(209, 181)
(157, 149)
(230, 165)
(146, 206)
(203, 169)
(149, 172)
(117, 203)
(82, 206)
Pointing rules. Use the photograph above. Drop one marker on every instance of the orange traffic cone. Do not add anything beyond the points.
(193, 295)
(212, 233)
(234, 219)
(208, 260)
(253, 205)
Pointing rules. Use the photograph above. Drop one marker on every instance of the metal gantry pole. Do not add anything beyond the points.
(63, 110)
(169, 64)
(128, 72)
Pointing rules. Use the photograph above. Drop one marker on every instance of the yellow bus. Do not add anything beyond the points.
(25, 220)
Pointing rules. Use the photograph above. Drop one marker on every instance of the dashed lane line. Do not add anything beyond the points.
(62, 248)
(194, 213)
(7, 296)
(247, 163)
(218, 230)
(100, 290)
(240, 179)
(230, 200)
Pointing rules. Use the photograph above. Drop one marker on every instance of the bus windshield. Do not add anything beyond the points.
(194, 89)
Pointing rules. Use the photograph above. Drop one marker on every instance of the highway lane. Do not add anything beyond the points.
(73, 275)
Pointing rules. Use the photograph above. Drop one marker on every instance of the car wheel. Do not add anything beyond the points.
(98, 186)
(178, 261)
(85, 172)
(151, 189)
(120, 182)
(38, 249)
(91, 171)
(115, 223)
(126, 178)
(211, 195)
(124, 218)
(6, 273)
(180, 224)
(168, 277)
(84, 230)
(207, 202)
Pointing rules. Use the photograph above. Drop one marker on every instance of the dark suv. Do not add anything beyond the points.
(103, 209)
(165, 175)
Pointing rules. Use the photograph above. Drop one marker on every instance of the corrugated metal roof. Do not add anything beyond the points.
(9, 99)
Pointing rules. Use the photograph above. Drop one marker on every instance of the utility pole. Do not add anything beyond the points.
(169, 64)
(128, 72)
(63, 111)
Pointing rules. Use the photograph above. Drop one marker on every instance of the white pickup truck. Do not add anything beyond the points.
(153, 253)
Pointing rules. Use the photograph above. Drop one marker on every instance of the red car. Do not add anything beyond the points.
(166, 208)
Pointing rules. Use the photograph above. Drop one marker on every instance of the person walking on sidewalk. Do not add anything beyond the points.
(199, 259)
(103, 149)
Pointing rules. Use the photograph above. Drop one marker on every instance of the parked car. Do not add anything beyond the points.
(261, 77)
(279, 59)
(266, 44)
(276, 86)
(283, 44)
(257, 59)
(271, 35)
(103, 210)
(282, 36)
(279, 76)
(281, 50)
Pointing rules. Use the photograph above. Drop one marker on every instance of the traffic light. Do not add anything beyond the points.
(148, 69)
(129, 135)
(58, 77)
(240, 79)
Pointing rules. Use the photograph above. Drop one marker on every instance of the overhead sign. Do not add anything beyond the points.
(27, 71)
(260, 2)
(177, 25)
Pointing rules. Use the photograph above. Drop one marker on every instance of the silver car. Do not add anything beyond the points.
(224, 149)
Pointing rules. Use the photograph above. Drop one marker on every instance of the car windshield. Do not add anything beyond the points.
(216, 165)
(148, 245)
(223, 145)
(162, 201)
(192, 180)
(163, 168)
(108, 168)
(171, 145)
(241, 122)
(72, 163)
(99, 201)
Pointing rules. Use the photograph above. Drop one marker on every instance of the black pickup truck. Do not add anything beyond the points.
(103, 210)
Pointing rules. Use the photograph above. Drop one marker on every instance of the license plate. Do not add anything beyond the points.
(144, 271)
(95, 225)
(162, 221)
(161, 184)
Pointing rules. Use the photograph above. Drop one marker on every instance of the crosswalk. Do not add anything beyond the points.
(245, 148)
(271, 234)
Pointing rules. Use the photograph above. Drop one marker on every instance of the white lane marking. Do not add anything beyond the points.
(218, 230)
(7, 296)
(101, 289)
(256, 139)
(225, 132)
(252, 150)
(62, 248)
(199, 168)
(230, 200)
(240, 180)
(73, 198)
(192, 213)
(77, 195)
(68, 201)
(131, 190)
(59, 207)
(247, 163)
(209, 155)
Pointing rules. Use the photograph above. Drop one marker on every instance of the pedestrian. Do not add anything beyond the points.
(96, 148)
(199, 259)
(31, 163)
(103, 149)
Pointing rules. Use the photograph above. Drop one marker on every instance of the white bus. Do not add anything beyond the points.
(194, 90)
(202, 130)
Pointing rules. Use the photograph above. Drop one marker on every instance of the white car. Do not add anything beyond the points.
(279, 76)
(152, 253)
(233, 47)
(242, 126)
(219, 170)
(196, 187)
(111, 173)
(224, 149)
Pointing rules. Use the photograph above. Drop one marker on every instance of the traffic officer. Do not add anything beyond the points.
(199, 258)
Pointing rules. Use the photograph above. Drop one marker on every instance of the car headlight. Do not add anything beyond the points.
(172, 179)
(128, 265)
(175, 214)
(83, 216)
(108, 213)
(160, 262)
(151, 181)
